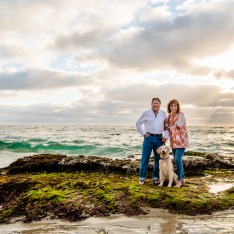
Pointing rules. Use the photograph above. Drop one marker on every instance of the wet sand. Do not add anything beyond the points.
(156, 222)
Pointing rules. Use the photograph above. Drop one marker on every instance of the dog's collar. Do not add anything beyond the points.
(165, 158)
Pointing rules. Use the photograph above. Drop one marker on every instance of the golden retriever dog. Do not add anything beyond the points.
(166, 169)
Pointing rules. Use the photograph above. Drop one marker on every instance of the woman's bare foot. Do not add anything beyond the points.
(179, 184)
(183, 181)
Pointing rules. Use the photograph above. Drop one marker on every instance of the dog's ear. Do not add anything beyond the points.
(159, 150)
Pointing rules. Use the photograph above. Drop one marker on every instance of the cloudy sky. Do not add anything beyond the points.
(101, 61)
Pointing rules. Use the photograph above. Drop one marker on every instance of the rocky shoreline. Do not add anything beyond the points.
(78, 187)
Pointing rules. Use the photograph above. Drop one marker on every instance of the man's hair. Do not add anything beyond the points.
(155, 99)
(171, 102)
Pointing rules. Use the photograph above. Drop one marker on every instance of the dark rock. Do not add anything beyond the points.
(60, 163)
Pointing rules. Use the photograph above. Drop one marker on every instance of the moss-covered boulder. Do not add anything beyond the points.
(60, 163)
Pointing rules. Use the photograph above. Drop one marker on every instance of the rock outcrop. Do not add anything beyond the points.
(129, 166)
(75, 188)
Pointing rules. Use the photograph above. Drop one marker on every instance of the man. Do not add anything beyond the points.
(151, 126)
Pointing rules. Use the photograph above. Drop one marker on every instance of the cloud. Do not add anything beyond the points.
(209, 116)
(154, 38)
(222, 116)
(57, 114)
(99, 62)
(33, 79)
(201, 104)
(140, 36)
(80, 39)
(176, 42)
(197, 96)
(225, 74)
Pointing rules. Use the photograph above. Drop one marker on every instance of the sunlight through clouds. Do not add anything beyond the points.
(221, 61)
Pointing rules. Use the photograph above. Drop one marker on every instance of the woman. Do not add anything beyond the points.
(178, 137)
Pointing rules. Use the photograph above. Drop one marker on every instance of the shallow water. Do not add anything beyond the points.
(157, 222)
(219, 187)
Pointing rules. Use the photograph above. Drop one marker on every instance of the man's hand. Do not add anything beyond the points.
(146, 135)
(164, 140)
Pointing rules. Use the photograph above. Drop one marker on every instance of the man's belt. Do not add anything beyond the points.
(151, 134)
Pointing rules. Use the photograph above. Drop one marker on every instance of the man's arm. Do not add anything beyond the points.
(139, 125)
(165, 132)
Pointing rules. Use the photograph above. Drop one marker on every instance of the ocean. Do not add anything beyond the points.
(105, 141)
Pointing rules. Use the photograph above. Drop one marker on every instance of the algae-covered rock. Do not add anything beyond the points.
(36, 163)
(75, 188)
(60, 163)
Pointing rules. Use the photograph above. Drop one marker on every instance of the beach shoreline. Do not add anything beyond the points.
(157, 221)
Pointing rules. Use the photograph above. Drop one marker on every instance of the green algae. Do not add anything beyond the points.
(78, 195)
(224, 173)
(193, 153)
(46, 193)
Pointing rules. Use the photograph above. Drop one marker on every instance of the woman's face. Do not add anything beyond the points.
(173, 108)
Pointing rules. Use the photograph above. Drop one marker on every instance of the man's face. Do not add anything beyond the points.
(155, 105)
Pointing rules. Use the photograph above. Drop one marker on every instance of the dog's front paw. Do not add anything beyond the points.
(160, 185)
(169, 186)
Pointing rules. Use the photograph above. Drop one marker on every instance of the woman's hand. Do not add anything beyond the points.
(166, 127)
(177, 127)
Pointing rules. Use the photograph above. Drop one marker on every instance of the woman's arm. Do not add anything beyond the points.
(181, 121)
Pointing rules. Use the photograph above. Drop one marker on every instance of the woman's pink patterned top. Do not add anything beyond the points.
(178, 137)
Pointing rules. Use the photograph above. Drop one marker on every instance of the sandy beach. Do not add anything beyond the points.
(156, 222)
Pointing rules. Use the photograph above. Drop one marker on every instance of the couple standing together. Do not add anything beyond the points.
(155, 126)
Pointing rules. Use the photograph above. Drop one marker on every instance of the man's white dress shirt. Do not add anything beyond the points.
(151, 123)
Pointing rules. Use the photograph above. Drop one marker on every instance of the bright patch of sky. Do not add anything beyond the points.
(11, 67)
(66, 62)
(221, 61)
(172, 5)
